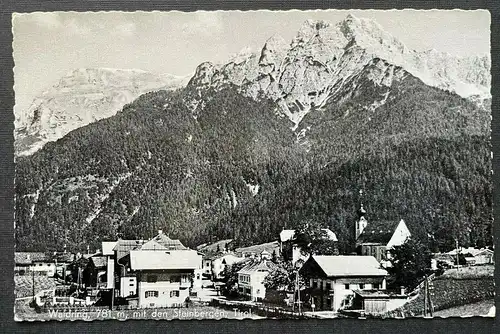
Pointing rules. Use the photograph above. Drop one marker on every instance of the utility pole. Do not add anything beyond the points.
(431, 293)
(425, 296)
(113, 297)
(456, 249)
(33, 283)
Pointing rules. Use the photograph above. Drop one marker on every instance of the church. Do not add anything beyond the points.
(377, 238)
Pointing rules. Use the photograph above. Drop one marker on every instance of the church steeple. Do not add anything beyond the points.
(361, 222)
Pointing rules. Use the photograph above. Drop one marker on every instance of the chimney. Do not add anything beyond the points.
(160, 232)
(402, 289)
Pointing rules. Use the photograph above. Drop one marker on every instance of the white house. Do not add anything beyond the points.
(251, 278)
(289, 236)
(37, 262)
(377, 238)
(219, 264)
(474, 256)
(107, 251)
(165, 277)
(334, 278)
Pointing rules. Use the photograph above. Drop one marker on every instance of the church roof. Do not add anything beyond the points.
(380, 231)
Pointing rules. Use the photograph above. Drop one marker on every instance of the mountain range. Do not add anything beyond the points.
(273, 138)
(83, 96)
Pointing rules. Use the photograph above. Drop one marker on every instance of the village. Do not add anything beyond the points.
(288, 277)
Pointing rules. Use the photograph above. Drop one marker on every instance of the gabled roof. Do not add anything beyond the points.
(152, 245)
(29, 257)
(257, 249)
(264, 265)
(346, 265)
(123, 247)
(107, 247)
(165, 241)
(230, 259)
(470, 251)
(99, 261)
(378, 232)
(160, 260)
(88, 256)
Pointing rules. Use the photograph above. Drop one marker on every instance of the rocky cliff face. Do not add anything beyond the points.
(81, 97)
(304, 74)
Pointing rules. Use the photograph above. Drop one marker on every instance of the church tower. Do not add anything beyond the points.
(361, 222)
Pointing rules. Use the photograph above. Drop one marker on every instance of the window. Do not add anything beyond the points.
(150, 294)
(376, 286)
(361, 286)
(131, 284)
(151, 278)
(131, 293)
(346, 286)
(175, 279)
(185, 278)
(174, 293)
(315, 284)
(328, 286)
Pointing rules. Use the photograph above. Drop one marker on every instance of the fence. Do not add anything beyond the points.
(422, 284)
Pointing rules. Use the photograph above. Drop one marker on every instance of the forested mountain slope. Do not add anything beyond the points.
(232, 168)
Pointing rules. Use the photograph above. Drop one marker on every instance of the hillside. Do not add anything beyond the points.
(235, 170)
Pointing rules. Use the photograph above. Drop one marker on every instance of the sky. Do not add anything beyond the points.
(49, 45)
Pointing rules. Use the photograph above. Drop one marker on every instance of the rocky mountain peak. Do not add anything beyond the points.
(83, 96)
(322, 56)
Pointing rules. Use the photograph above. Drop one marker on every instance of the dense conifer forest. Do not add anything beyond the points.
(234, 169)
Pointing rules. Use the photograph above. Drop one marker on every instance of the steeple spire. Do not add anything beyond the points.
(361, 211)
(361, 222)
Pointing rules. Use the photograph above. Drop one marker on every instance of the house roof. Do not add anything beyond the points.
(348, 265)
(264, 265)
(88, 256)
(230, 259)
(257, 249)
(99, 261)
(153, 245)
(165, 241)
(159, 260)
(29, 257)
(107, 247)
(470, 251)
(379, 232)
(287, 235)
(63, 257)
(123, 247)
(372, 293)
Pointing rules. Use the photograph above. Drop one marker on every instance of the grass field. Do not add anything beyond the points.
(470, 272)
(452, 290)
(481, 308)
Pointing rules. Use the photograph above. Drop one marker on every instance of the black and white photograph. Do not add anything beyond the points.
(298, 164)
